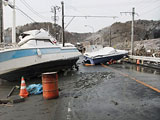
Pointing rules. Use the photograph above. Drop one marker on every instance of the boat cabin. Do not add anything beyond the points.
(36, 38)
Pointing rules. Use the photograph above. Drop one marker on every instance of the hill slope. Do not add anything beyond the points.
(70, 37)
(119, 33)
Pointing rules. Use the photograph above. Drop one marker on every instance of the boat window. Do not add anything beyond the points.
(24, 35)
(44, 43)
(30, 43)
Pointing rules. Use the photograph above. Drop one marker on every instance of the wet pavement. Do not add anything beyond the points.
(92, 93)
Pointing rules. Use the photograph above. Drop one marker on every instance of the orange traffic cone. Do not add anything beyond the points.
(138, 62)
(23, 91)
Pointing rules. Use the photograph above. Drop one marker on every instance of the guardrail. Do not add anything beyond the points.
(144, 58)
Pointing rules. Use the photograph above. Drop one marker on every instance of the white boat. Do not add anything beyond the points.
(104, 55)
(37, 52)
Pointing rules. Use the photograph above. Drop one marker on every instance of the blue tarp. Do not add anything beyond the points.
(35, 89)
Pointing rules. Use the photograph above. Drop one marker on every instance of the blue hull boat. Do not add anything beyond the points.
(104, 55)
(36, 53)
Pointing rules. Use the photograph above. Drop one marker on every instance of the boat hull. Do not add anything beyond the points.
(34, 61)
(38, 69)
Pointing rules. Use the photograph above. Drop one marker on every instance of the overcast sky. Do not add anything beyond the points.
(40, 11)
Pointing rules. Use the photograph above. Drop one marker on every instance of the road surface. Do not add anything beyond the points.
(114, 92)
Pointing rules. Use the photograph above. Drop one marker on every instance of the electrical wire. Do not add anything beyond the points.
(142, 4)
(25, 14)
(32, 10)
(92, 16)
(147, 5)
(151, 10)
(17, 8)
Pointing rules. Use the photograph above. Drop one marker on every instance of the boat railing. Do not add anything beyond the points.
(4, 46)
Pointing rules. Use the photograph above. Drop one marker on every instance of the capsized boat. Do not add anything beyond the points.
(37, 52)
(104, 55)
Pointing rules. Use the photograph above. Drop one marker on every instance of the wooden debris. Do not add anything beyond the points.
(4, 101)
(16, 99)
(12, 90)
(7, 105)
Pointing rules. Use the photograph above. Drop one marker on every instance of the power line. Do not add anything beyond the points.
(25, 14)
(149, 10)
(74, 16)
(69, 22)
(26, 4)
(31, 9)
(17, 8)
(142, 4)
(92, 16)
(147, 5)
(51, 1)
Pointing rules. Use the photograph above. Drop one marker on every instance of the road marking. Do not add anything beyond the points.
(68, 117)
(69, 110)
(69, 107)
(126, 75)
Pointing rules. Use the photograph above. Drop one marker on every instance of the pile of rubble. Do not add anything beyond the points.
(148, 48)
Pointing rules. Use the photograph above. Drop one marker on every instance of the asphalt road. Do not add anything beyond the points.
(114, 92)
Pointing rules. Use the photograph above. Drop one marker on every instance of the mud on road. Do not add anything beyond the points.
(92, 93)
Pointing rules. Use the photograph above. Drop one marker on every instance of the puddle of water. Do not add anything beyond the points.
(137, 68)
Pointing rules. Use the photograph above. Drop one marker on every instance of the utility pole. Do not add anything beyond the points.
(55, 26)
(132, 33)
(132, 29)
(63, 34)
(14, 24)
(1, 21)
(54, 10)
(55, 13)
(110, 36)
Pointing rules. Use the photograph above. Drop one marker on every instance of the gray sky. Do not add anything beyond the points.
(147, 9)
